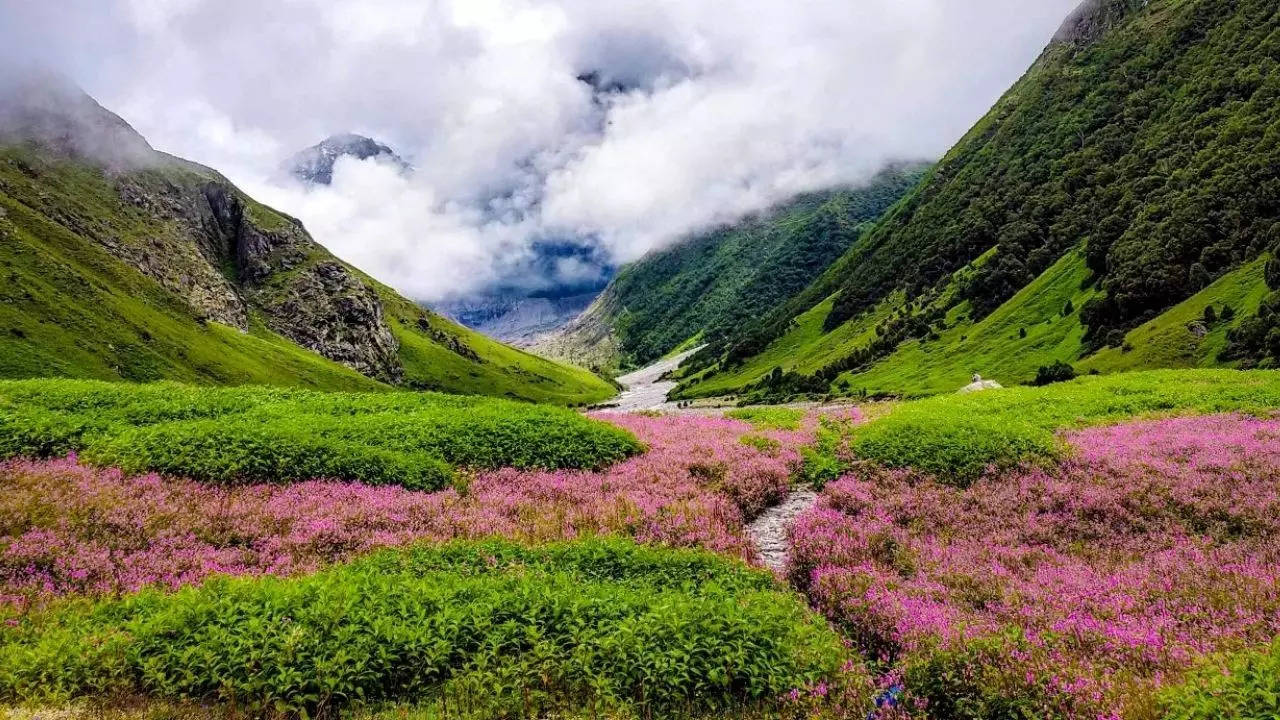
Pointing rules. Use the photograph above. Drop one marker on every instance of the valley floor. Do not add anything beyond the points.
(1099, 548)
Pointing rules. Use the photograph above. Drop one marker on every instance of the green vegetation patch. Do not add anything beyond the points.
(958, 436)
(507, 630)
(1245, 686)
(256, 434)
(714, 283)
(769, 418)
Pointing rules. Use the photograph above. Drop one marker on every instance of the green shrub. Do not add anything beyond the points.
(1245, 686)
(243, 451)
(828, 457)
(513, 630)
(267, 434)
(1054, 373)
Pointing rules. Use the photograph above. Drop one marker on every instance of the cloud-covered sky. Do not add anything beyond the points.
(698, 111)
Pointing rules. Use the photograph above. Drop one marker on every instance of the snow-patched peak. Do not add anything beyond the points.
(315, 164)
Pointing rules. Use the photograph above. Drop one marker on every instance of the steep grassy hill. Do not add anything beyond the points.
(124, 263)
(711, 284)
(1133, 172)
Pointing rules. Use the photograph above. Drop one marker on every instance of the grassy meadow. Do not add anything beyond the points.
(254, 434)
(1100, 547)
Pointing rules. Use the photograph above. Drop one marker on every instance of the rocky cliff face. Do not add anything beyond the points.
(518, 320)
(587, 340)
(302, 292)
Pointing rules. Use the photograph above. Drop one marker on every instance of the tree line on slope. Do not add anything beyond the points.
(1158, 145)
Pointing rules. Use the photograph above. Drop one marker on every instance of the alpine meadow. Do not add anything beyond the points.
(898, 361)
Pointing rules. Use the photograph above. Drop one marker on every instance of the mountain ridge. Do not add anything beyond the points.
(1144, 138)
(86, 198)
(710, 283)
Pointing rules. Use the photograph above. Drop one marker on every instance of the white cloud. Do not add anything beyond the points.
(728, 107)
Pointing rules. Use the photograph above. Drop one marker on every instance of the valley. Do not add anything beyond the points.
(242, 478)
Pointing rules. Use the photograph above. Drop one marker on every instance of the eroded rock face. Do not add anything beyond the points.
(326, 308)
(303, 293)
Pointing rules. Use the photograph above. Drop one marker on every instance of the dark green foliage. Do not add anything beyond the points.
(1055, 373)
(728, 278)
(234, 435)
(606, 625)
(1245, 686)
(1257, 338)
(1156, 142)
(1210, 315)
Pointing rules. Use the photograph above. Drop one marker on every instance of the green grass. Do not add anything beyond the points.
(804, 349)
(501, 370)
(1175, 339)
(1244, 686)
(957, 436)
(256, 434)
(993, 347)
(769, 418)
(599, 625)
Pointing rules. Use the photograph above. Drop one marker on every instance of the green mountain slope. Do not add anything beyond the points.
(711, 284)
(124, 263)
(1136, 165)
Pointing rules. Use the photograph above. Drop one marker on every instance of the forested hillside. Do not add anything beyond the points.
(121, 262)
(712, 284)
(1142, 150)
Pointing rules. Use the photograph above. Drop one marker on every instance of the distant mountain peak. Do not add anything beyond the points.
(314, 165)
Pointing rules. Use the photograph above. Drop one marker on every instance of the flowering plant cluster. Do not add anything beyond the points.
(67, 528)
(1073, 591)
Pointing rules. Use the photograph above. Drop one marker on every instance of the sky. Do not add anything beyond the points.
(622, 125)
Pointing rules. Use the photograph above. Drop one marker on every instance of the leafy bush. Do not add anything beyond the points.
(604, 624)
(957, 436)
(1055, 373)
(264, 434)
(1245, 686)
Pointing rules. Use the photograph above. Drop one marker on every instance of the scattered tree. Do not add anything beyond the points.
(1055, 373)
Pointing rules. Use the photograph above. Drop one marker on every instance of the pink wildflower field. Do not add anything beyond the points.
(68, 528)
(1081, 587)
